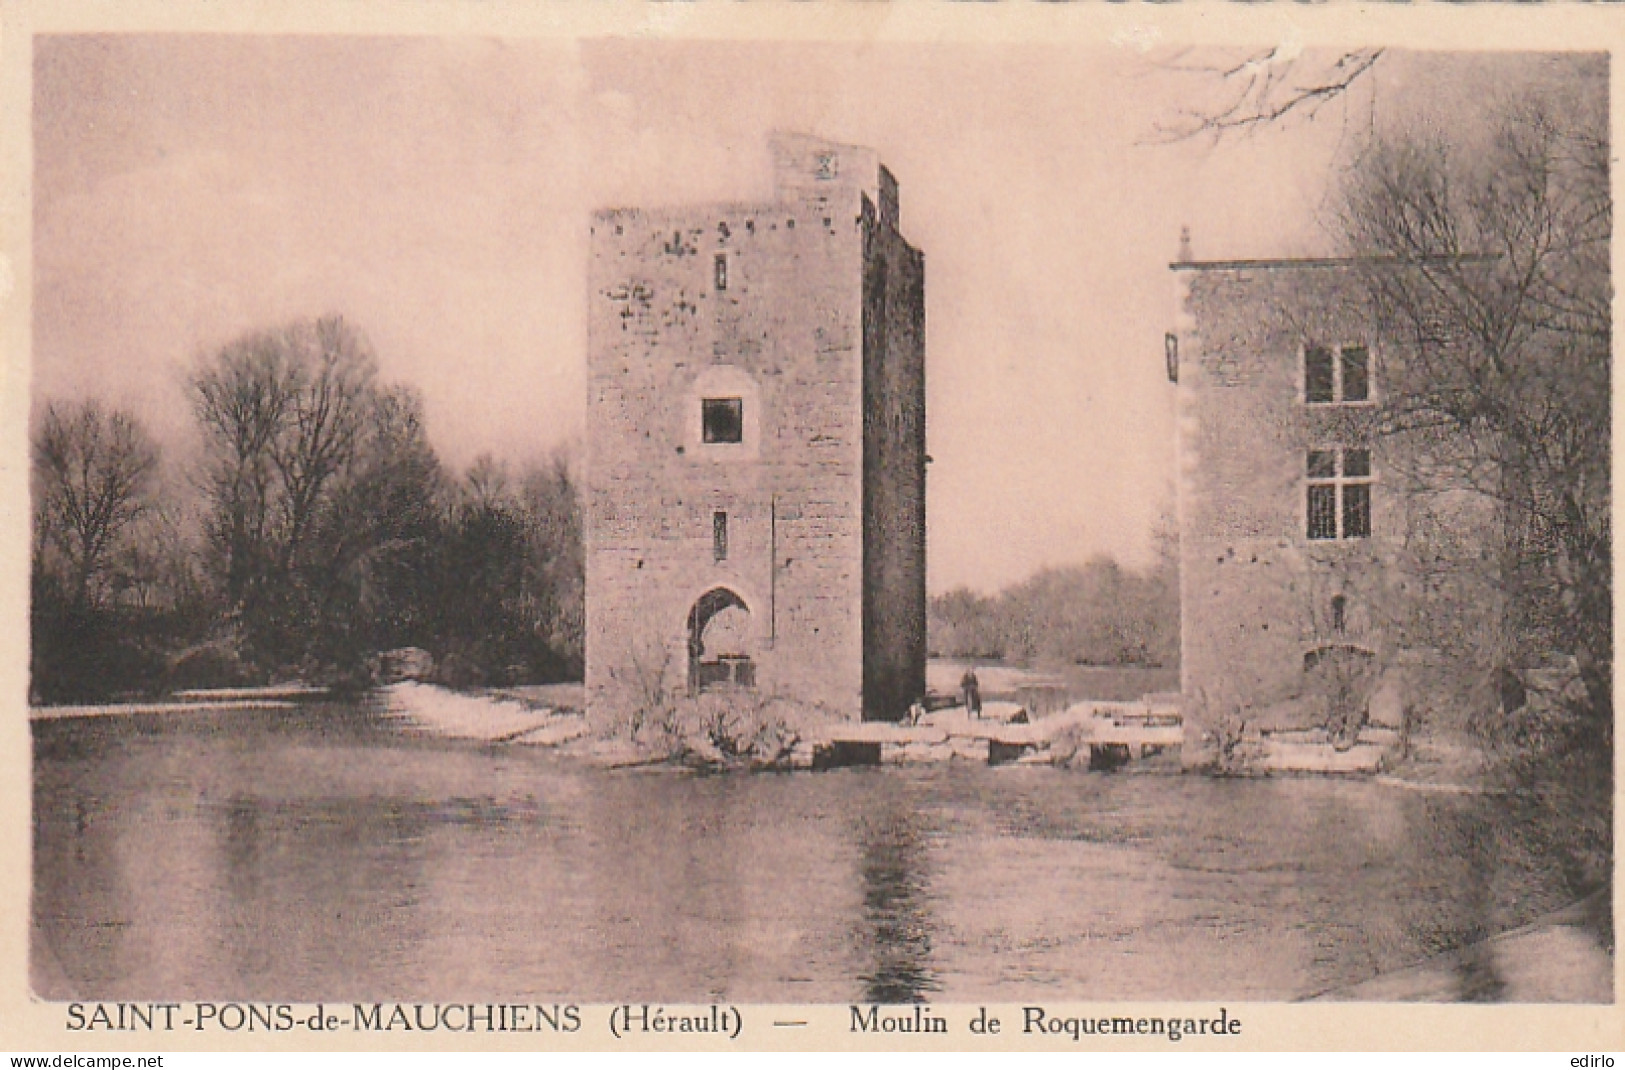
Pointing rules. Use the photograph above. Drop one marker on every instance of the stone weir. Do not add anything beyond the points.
(1099, 734)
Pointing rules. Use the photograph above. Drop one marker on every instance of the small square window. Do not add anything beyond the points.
(1322, 464)
(722, 420)
(721, 271)
(1336, 376)
(1318, 376)
(1357, 462)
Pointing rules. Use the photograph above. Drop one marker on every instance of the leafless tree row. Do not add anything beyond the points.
(326, 530)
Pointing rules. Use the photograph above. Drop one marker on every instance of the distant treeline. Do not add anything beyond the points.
(313, 528)
(1095, 614)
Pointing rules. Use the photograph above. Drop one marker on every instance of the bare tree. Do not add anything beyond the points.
(486, 483)
(282, 414)
(1255, 89)
(155, 568)
(374, 548)
(95, 472)
(1497, 281)
(555, 572)
(241, 399)
(332, 399)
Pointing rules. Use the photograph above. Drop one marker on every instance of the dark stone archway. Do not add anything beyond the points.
(719, 647)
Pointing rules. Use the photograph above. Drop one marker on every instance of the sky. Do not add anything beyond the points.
(436, 193)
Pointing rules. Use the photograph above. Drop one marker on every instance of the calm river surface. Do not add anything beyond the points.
(322, 853)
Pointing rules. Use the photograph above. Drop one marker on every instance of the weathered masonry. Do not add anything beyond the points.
(1302, 514)
(756, 444)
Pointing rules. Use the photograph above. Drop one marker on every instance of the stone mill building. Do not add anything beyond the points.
(756, 444)
(1324, 558)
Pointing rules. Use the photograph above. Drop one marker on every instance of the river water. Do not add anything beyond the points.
(324, 853)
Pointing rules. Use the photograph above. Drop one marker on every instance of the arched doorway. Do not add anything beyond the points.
(719, 647)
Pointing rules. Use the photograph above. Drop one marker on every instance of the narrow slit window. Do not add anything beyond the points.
(1355, 366)
(1322, 511)
(721, 271)
(722, 420)
(1356, 510)
(1319, 376)
(1339, 613)
(719, 535)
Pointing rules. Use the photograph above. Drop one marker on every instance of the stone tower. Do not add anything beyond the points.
(1329, 559)
(756, 444)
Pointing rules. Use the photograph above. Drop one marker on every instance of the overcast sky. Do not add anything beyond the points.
(436, 193)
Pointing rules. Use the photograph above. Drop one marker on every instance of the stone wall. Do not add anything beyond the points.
(894, 598)
(788, 323)
(765, 303)
(1257, 594)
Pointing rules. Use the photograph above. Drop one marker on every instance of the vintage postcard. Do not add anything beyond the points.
(1056, 528)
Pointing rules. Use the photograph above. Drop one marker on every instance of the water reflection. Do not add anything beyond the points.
(894, 867)
(325, 856)
(362, 860)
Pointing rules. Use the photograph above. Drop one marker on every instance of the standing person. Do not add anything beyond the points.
(971, 688)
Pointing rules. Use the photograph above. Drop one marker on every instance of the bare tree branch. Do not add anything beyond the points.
(1260, 89)
(1509, 353)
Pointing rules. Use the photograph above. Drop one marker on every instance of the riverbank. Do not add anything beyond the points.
(483, 717)
(1566, 956)
(743, 732)
(195, 700)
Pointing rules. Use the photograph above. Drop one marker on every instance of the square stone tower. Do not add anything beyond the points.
(756, 445)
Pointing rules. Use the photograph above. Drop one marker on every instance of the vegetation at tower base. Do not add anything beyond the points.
(314, 527)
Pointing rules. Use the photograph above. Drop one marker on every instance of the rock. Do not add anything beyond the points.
(703, 749)
(217, 663)
(557, 731)
(1020, 734)
(1001, 712)
(885, 732)
(915, 753)
(402, 663)
(1379, 736)
(456, 670)
(1321, 758)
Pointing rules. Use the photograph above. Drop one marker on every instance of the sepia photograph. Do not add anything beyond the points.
(868, 523)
